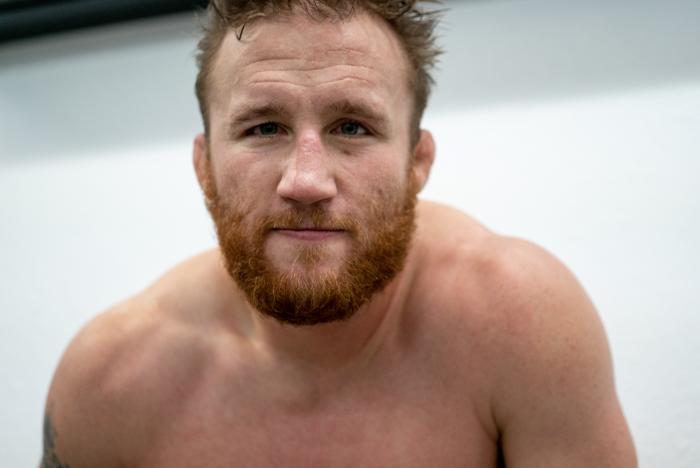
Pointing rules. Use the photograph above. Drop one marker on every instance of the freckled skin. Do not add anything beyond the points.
(483, 351)
(316, 65)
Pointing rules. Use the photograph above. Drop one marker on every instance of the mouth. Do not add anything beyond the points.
(309, 234)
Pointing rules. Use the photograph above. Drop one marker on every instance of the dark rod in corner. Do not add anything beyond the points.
(24, 19)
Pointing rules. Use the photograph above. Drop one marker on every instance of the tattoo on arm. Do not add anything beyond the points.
(501, 459)
(50, 459)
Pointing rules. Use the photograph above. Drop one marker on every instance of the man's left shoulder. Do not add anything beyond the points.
(548, 351)
(509, 288)
(517, 275)
(523, 326)
(523, 293)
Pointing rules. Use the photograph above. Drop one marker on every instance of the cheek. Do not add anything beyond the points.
(385, 165)
(377, 198)
(384, 182)
(244, 178)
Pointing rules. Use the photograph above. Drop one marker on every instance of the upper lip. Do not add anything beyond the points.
(304, 228)
(307, 229)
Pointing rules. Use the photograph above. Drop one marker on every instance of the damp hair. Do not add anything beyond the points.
(413, 24)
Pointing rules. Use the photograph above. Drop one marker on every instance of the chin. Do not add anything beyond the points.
(308, 260)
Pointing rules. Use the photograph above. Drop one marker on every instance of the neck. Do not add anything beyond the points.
(351, 343)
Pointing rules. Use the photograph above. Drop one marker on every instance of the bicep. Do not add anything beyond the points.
(50, 457)
(72, 437)
(76, 426)
(556, 403)
(566, 435)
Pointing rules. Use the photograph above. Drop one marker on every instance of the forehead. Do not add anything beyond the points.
(361, 51)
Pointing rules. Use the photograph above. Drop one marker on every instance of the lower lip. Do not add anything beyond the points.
(308, 235)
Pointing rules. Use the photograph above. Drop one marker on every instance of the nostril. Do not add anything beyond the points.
(307, 186)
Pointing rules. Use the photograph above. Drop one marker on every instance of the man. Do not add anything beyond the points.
(341, 323)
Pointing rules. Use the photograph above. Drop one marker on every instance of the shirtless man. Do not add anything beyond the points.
(340, 323)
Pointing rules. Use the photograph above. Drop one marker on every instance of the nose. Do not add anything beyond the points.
(308, 176)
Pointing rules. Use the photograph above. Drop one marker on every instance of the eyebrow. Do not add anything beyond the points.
(258, 112)
(357, 108)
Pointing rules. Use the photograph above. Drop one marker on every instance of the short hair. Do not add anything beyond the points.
(415, 28)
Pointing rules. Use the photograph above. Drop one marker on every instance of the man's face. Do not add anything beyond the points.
(309, 176)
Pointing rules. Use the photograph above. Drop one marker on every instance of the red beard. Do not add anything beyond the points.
(378, 250)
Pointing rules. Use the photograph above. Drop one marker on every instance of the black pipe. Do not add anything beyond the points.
(23, 19)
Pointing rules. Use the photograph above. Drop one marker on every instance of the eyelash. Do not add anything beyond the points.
(252, 131)
(350, 121)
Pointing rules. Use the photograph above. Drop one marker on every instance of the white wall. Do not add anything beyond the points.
(575, 124)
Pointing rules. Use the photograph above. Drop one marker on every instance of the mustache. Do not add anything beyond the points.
(316, 218)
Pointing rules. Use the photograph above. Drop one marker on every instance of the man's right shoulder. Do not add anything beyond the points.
(119, 374)
(157, 331)
(89, 390)
(104, 349)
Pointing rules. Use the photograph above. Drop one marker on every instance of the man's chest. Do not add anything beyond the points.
(406, 426)
(414, 436)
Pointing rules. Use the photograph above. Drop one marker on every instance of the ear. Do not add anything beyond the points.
(202, 165)
(423, 157)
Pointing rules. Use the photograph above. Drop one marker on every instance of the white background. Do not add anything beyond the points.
(573, 124)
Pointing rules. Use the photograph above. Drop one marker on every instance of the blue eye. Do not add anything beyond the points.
(352, 128)
(266, 129)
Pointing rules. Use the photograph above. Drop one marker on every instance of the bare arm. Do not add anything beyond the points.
(555, 403)
(49, 458)
(77, 422)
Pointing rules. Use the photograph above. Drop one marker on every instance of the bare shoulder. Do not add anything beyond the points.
(506, 279)
(136, 358)
(81, 421)
(518, 295)
(543, 352)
